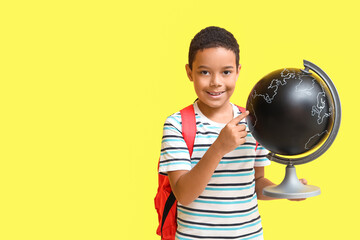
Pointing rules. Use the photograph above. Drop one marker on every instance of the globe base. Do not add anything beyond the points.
(291, 187)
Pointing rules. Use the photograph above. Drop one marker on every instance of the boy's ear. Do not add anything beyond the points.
(188, 72)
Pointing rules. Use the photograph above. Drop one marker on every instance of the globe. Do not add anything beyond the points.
(291, 111)
(295, 114)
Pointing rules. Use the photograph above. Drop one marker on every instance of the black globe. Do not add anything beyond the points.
(291, 111)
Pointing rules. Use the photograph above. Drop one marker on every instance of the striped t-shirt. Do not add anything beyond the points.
(227, 208)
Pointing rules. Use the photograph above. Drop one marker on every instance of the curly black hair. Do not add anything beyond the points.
(213, 37)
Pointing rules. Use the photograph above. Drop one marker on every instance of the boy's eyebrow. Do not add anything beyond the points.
(203, 66)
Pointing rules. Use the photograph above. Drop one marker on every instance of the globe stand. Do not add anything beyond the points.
(291, 187)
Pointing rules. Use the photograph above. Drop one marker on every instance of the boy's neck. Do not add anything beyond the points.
(222, 114)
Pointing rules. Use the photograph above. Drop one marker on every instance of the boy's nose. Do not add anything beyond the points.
(215, 81)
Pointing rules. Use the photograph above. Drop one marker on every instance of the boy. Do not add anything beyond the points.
(218, 186)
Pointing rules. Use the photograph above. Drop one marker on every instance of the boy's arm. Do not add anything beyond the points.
(261, 182)
(188, 185)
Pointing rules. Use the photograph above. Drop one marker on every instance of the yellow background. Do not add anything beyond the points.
(86, 87)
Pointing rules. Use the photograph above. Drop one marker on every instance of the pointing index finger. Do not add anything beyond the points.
(237, 119)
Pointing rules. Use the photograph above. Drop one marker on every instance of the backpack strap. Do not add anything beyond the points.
(244, 110)
(188, 124)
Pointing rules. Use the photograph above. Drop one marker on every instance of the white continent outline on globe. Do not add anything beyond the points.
(318, 109)
(274, 85)
(316, 135)
(306, 91)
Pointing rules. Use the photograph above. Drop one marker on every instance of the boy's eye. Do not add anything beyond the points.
(227, 72)
(204, 72)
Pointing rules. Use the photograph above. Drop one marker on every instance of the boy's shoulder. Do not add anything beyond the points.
(177, 115)
(175, 118)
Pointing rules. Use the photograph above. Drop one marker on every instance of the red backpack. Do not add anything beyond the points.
(165, 201)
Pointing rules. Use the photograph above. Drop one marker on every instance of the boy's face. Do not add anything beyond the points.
(214, 74)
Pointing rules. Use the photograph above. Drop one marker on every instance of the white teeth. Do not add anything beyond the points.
(215, 94)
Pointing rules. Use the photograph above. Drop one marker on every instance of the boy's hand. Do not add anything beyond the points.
(303, 181)
(232, 135)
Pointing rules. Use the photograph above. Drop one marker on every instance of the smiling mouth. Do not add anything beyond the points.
(215, 93)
